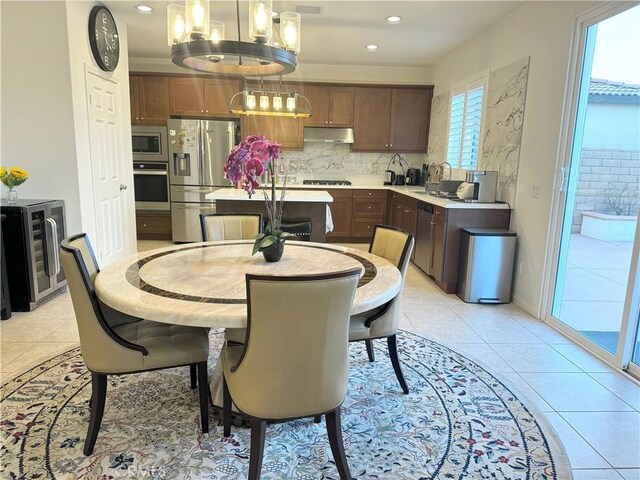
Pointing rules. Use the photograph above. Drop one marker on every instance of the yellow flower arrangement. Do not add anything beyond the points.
(13, 177)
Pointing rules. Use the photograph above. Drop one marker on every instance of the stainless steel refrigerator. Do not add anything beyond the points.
(197, 152)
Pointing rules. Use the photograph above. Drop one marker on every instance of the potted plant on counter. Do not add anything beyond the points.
(246, 164)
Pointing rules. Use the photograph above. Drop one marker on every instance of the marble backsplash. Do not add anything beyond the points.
(333, 161)
(436, 152)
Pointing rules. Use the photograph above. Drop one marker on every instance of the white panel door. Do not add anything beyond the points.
(109, 182)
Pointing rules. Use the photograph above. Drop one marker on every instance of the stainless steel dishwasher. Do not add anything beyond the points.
(424, 236)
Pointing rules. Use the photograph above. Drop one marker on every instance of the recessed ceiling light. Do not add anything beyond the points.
(372, 48)
(144, 8)
(393, 19)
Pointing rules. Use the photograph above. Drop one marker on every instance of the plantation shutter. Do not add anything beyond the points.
(465, 122)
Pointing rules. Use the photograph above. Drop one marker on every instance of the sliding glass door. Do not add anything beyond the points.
(595, 289)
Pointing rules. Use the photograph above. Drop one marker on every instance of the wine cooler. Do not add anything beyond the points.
(32, 232)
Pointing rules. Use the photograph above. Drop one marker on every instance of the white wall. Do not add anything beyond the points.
(542, 31)
(316, 73)
(612, 125)
(38, 128)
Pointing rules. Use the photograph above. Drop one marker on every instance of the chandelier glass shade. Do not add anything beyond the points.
(198, 42)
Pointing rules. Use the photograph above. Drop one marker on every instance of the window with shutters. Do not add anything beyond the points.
(465, 124)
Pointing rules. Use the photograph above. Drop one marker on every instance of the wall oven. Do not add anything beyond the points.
(151, 183)
(149, 144)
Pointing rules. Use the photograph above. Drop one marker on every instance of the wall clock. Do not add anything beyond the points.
(103, 37)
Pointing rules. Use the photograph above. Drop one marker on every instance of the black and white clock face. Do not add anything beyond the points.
(103, 37)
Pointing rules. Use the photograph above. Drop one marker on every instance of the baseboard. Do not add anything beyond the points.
(526, 306)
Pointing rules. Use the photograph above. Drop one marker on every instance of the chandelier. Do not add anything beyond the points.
(198, 42)
(274, 103)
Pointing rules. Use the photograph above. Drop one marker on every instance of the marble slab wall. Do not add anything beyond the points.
(504, 118)
(337, 162)
(439, 126)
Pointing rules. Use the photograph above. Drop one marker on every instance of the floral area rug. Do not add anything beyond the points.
(459, 421)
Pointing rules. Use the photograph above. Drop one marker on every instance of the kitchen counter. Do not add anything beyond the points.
(230, 193)
(413, 191)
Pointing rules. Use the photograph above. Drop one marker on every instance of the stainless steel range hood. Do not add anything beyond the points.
(328, 135)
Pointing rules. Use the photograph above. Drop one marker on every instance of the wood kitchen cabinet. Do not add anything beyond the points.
(446, 233)
(287, 131)
(332, 106)
(369, 209)
(341, 212)
(391, 119)
(149, 97)
(195, 96)
(403, 212)
(153, 225)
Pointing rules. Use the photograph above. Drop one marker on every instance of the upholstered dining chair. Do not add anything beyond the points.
(115, 344)
(229, 226)
(395, 245)
(295, 363)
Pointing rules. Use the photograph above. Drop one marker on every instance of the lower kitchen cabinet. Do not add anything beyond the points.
(153, 225)
(446, 234)
(403, 212)
(341, 212)
(369, 209)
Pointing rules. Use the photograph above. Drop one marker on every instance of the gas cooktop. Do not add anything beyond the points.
(326, 182)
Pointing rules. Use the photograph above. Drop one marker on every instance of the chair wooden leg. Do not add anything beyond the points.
(98, 397)
(393, 354)
(334, 431)
(204, 395)
(226, 408)
(370, 352)
(192, 371)
(258, 434)
(317, 418)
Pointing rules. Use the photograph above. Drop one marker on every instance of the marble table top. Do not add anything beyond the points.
(203, 284)
(230, 193)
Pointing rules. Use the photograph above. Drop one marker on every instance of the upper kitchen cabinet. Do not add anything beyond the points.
(149, 100)
(410, 113)
(332, 106)
(208, 97)
(287, 131)
(392, 119)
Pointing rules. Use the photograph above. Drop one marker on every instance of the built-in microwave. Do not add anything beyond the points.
(149, 144)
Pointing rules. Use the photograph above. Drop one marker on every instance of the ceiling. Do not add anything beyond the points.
(339, 35)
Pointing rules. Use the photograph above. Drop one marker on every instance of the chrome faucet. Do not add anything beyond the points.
(440, 170)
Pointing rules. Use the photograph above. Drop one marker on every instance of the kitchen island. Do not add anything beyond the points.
(298, 205)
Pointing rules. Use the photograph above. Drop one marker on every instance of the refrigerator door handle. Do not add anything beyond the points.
(201, 152)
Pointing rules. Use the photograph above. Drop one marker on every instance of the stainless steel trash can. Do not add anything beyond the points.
(486, 265)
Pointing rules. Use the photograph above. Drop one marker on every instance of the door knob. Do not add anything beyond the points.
(123, 186)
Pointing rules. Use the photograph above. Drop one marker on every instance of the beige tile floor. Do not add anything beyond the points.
(594, 409)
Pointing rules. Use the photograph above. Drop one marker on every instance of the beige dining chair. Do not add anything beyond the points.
(229, 226)
(116, 344)
(395, 245)
(295, 363)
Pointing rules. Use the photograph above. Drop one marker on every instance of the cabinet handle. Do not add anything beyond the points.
(330, 122)
(123, 186)
(369, 207)
(201, 111)
(437, 212)
(144, 225)
(325, 122)
(386, 144)
(141, 118)
(369, 193)
(407, 211)
(368, 227)
(391, 144)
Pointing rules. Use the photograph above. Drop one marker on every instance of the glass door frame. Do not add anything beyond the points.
(562, 193)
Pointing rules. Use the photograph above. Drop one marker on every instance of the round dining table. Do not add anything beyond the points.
(203, 284)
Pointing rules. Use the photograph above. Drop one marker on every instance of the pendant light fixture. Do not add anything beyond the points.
(198, 43)
(274, 103)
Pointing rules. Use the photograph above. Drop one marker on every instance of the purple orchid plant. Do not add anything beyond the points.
(245, 165)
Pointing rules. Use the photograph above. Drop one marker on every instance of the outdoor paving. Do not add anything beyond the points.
(595, 287)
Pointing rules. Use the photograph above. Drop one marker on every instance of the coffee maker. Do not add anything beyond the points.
(485, 185)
